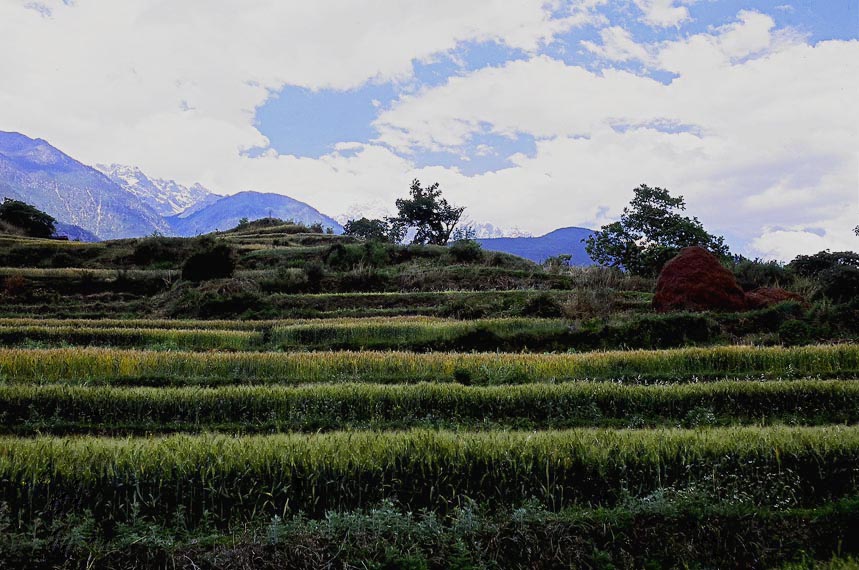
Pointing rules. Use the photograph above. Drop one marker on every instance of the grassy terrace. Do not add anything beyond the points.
(91, 298)
(114, 366)
(349, 405)
(282, 474)
(28, 409)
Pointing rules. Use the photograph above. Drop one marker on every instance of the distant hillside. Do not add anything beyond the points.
(226, 212)
(559, 242)
(33, 171)
(166, 197)
(121, 201)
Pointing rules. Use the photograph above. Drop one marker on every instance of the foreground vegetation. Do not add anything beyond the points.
(29, 409)
(279, 397)
(285, 474)
(130, 367)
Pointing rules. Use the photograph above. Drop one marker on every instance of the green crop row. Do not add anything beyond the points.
(189, 339)
(221, 324)
(88, 273)
(226, 478)
(111, 323)
(107, 366)
(409, 333)
(313, 407)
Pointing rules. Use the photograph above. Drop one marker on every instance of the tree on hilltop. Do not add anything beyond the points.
(650, 232)
(433, 218)
(426, 211)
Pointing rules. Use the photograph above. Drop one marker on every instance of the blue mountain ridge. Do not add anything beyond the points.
(33, 171)
(90, 205)
(558, 242)
(225, 213)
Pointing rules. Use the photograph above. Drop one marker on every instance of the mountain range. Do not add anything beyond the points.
(563, 241)
(33, 171)
(111, 201)
(166, 197)
(117, 201)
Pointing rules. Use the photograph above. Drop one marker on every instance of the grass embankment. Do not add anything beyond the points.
(113, 366)
(230, 479)
(248, 409)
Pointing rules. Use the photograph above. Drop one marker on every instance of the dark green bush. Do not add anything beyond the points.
(752, 274)
(813, 265)
(158, 249)
(542, 305)
(466, 251)
(768, 319)
(315, 273)
(794, 332)
(62, 259)
(32, 221)
(840, 283)
(363, 279)
(340, 257)
(211, 261)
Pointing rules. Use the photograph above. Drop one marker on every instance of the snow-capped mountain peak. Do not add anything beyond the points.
(166, 197)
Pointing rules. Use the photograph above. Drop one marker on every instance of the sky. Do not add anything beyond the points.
(532, 114)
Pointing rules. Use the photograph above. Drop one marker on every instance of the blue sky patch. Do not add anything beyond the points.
(308, 123)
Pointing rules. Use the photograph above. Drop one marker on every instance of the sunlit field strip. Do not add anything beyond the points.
(82, 272)
(198, 324)
(345, 333)
(105, 366)
(226, 478)
(312, 407)
(189, 339)
(27, 241)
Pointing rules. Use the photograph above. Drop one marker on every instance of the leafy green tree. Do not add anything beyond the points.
(650, 232)
(32, 221)
(433, 218)
(368, 229)
(836, 273)
(386, 230)
(814, 265)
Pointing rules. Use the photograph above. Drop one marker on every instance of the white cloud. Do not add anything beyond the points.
(786, 243)
(763, 132)
(664, 13)
(750, 35)
(617, 45)
(769, 156)
(173, 86)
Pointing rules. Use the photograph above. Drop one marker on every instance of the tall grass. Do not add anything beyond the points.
(409, 332)
(93, 365)
(89, 273)
(219, 324)
(226, 479)
(188, 339)
(261, 408)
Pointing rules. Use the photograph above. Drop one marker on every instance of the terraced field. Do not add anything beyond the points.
(429, 440)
